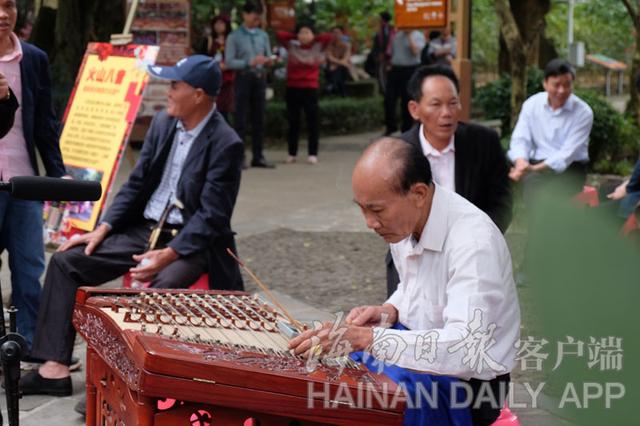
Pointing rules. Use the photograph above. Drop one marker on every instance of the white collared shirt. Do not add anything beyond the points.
(166, 191)
(460, 269)
(442, 162)
(559, 137)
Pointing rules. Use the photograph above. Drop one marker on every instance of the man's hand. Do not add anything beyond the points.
(4, 87)
(258, 60)
(91, 239)
(520, 168)
(372, 316)
(329, 340)
(156, 261)
(620, 192)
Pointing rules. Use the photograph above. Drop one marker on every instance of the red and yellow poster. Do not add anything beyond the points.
(420, 14)
(99, 116)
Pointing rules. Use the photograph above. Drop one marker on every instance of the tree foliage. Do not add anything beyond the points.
(603, 25)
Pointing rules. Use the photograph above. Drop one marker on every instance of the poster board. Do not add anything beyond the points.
(421, 14)
(98, 119)
(167, 24)
(281, 15)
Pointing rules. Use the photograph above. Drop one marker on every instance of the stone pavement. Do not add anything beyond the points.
(299, 197)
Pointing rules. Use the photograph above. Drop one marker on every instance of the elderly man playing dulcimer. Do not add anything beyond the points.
(454, 320)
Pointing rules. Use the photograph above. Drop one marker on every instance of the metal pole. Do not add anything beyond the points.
(570, 24)
(132, 13)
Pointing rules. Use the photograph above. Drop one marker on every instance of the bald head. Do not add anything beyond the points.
(392, 186)
(395, 163)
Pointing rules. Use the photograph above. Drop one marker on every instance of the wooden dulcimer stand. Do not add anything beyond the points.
(172, 357)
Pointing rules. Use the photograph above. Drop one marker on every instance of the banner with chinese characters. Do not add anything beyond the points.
(98, 119)
(421, 14)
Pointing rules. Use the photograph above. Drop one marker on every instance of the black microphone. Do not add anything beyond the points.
(51, 189)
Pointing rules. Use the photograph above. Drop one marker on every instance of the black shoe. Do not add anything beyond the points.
(33, 383)
(81, 406)
(29, 363)
(262, 163)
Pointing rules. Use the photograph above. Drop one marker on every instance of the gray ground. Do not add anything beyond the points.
(299, 231)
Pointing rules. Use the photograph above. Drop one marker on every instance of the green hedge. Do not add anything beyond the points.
(613, 143)
(338, 116)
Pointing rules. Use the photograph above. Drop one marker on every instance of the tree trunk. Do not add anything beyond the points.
(91, 20)
(521, 25)
(633, 107)
(518, 84)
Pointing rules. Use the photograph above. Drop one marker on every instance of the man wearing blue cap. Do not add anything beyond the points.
(185, 183)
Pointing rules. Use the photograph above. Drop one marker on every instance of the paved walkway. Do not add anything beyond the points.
(300, 197)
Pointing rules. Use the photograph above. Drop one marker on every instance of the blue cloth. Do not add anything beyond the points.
(628, 204)
(422, 412)
(21, 235)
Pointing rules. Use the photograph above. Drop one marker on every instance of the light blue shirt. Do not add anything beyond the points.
(558, 137)
(401, 54)
(166, 191)
(243, 45)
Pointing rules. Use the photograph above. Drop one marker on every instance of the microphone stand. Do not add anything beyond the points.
(12, 347)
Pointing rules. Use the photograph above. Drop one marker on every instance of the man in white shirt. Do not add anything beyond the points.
(456, 284)
(552, 132)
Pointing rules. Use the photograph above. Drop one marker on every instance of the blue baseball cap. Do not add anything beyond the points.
(199, 71)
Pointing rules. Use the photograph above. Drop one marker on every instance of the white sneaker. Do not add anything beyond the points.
(290, 159)
(312, 159)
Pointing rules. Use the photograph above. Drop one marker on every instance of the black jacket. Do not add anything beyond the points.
(208, 188)
(481, 170)
(481, 176)
(39, 124)
(8, 109)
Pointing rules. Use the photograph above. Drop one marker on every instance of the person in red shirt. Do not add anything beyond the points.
(220, 29)
(305, 53)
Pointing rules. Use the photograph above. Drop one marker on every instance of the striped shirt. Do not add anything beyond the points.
(166, 191)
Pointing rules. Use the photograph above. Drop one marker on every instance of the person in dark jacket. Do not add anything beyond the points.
(465, 158)
(197, 202)
(35, 128)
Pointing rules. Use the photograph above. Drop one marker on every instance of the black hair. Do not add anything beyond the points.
(337, 27)
(414, 86)
(557, 67)
(306, 23)
(412, 166)
(434, 34)
(225, 20)
(252, 7)
(385, 16)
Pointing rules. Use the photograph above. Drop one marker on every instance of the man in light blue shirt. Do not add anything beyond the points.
(248, 52)
(552, 132)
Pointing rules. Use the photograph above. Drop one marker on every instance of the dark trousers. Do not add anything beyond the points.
(306, 100)
(485, 413)
(397, 88)
(71, 269)
(250, 91)
(337, 80)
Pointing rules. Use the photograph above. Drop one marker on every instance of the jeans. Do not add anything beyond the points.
(21, 235)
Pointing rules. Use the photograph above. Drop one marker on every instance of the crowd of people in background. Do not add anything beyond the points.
(312, 65)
